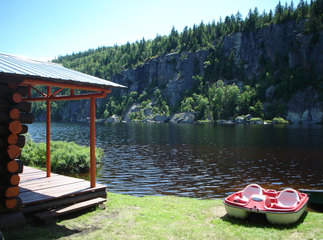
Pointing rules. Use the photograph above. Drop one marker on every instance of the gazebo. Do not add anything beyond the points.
(19, 77)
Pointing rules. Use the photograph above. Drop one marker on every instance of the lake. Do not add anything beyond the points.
(200, 161)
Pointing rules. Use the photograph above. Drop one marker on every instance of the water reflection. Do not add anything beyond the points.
(202, 161)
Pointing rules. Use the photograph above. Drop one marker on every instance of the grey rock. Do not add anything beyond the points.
(240, 120)
(221, 121)
(113, 119)
(148, 120)
(133, 109)
(257, 122)
(248, 117)
(161, 118)
(148, 111)
(185, 117)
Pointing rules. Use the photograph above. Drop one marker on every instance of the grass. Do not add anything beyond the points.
(255, 119)
(279, 120)
(166, 217)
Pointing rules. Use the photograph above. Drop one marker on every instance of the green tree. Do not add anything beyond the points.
(247, 99)
(201, 106)
(216, 99)
(257, 110)
(231, 100)
(187, 104)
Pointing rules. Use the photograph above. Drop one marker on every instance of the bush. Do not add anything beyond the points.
(279, 120)
(256, 121)
(66, 157)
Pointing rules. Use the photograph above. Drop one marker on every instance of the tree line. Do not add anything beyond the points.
(104, 62)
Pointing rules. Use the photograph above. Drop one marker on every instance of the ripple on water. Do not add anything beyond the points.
(201, 161)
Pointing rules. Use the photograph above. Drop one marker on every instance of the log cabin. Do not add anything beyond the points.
(26, 190)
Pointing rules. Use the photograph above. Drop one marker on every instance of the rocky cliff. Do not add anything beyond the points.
(286, 44)
(173, 73)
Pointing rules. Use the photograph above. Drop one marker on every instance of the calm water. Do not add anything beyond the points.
(201, 161)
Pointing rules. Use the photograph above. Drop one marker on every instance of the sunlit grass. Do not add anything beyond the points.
(166, 217)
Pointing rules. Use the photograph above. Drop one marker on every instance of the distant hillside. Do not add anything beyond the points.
(268, 64)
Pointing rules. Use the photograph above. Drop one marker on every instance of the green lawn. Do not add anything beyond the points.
(166, 217)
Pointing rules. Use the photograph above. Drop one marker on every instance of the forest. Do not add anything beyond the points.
(210, 96)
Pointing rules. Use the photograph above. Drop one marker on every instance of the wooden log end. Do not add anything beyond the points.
(18, 140)
(15, 166)
(14, 113)
(15, 127)
(16, 98)
(12, 166)
(10, 203)
(12, 139)
(14, 179)
(12, 192)
(13, 151)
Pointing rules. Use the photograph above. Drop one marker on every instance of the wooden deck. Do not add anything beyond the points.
(39, 192)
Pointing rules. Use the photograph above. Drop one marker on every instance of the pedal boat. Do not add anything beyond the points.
(280, 207)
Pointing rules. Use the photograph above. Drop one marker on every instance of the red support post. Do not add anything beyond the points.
(92, 142)
(48, 134)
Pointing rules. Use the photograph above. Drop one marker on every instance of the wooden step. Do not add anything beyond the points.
(60, 202)
(71, 208)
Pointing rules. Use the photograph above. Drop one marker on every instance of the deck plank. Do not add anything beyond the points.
(35, 187)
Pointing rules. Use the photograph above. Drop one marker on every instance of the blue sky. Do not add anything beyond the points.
(45, 29)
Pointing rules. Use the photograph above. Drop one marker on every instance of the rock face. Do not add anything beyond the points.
(72, 111)
(305, 107)
(277, 41)
(173, 73)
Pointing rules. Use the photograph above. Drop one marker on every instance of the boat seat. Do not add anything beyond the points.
(287, 198)
(250, 190)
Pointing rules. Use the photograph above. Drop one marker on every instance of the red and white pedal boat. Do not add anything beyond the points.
(280, 207)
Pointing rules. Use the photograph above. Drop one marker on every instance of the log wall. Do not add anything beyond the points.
(14, 114)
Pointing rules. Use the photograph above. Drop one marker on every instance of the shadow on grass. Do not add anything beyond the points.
(47, 229)
(36, 231)
(259, 220)
(315, 207)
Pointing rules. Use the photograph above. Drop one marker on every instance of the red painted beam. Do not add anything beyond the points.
(92, 143)
(35, 82)
(67, 97)
(48, 168)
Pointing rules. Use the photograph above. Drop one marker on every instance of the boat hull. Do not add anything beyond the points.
(272, 217)
(285, 218)
(280, 207)
(236, 212)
